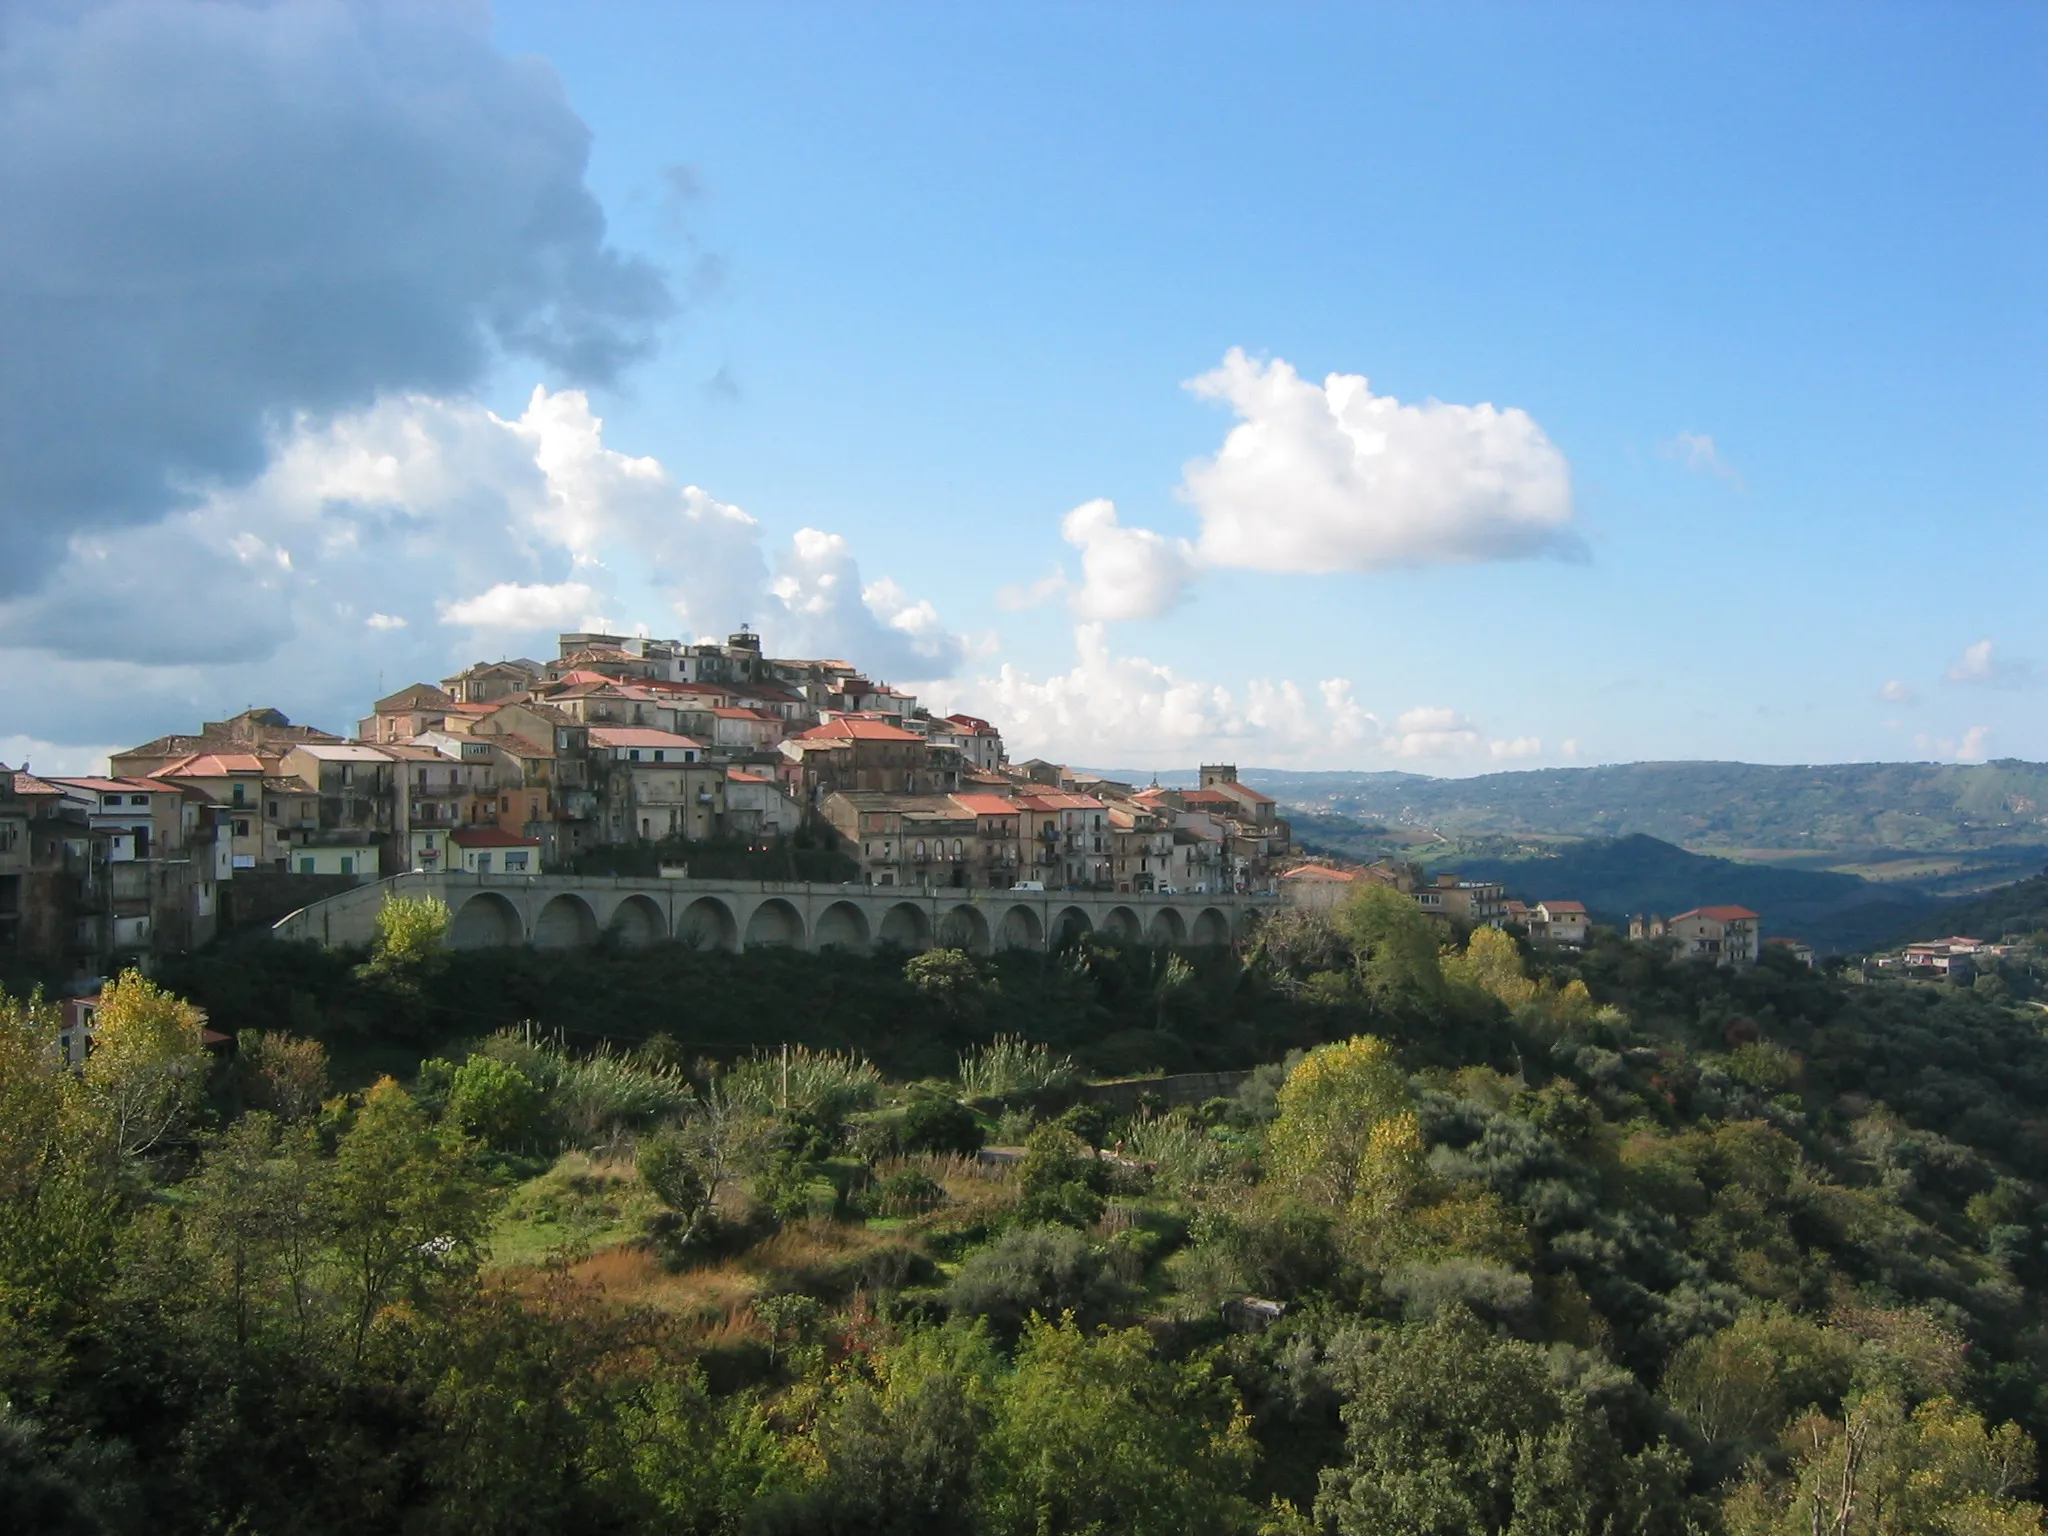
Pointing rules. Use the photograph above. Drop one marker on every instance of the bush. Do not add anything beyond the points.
(906, 1192)
(941, 1125)
(1042, 1270)
(1009, 1067)
(1061, 1178)
(498, 1104)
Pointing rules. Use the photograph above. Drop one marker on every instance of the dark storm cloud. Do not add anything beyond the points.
(215, 216)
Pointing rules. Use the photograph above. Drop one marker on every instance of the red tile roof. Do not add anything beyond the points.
(846, 728)
(211, 765)
(1720, 914)
(1570, 906)
(741, 714)
(1320, 872)
(986, 805)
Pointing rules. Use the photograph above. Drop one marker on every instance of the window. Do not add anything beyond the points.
(241, 794)
(920, 847)
(429, 845)
(241, 826)
(658, 754)
(138, 799)
(348, 773)
(956, 847)
(306, 867)
(270, 810)
(483, 863)
(632, 754)
(515, 862)
(348, 864)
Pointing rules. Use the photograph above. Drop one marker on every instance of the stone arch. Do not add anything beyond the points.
(486, 921)
(841, 926)
(906, 926)
(775, 923)
(1020, 929)
(964, 928)
(1121, 926)
(1211, 927)
(1167, 928)
(637, 922)
(565, 923)
(1070, 927)
(708, 923)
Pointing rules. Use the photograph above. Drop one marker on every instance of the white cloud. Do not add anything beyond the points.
(1110, 709)
(1976, 665)
(1431, 731)
(1335, 478)
(1698, 453)
(1895, 692)
(509, 605)
(427, 532)
(1980, 664)
(1970, 749)
(827, 611)
(1126, 573)
(51, 757)
(218, 216)
(1018, 599)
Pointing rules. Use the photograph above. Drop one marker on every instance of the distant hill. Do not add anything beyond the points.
(1617, 877)
(2019, 908)
(1844, 807)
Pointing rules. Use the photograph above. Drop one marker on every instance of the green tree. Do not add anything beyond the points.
(148, 1067)
(412, 936)
(1396, 948)
(409, 1209)
(935, 1123)
(59, 1204)
(285, 1074)
(1346, 1136)
(498, 1104)
(1881, 1471)
(1452, 1432)
(1492, 963)
(952, 979)
(1095, 1433)
(899, 1440)
(258, 1218)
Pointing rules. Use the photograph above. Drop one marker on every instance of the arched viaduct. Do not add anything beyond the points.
(573, 911)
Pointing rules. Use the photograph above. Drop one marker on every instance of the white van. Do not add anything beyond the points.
(1029, 885)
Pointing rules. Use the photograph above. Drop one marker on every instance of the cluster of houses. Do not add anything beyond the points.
(1957, 957)
(1723, 935)
(520, 766)
(1321, 885)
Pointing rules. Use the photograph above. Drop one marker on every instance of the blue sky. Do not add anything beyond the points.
(1765, 284)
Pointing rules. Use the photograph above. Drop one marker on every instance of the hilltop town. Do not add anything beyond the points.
(619, 746)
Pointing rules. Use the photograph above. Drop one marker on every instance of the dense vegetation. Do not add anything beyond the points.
(1491, 1243)
(2019, 909)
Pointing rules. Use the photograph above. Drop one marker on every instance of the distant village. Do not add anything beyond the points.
(523, 767)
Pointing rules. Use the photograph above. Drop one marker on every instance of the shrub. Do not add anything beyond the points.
(1009, 1066)
(1042, 1270)
(1061, 1178)
(905, 1192)
(498, 1104)
(797, 1080)
(935, 1124)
